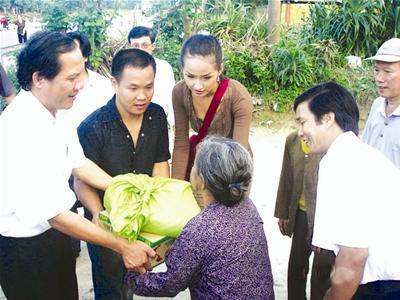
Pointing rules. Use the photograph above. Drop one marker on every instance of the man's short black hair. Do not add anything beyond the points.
(135, 58)
(41, 55)
(139, 31)
(84, 43)
(332, 97)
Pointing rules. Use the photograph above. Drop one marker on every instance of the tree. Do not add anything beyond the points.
(87, 16)
(93, 20)
(21, 6)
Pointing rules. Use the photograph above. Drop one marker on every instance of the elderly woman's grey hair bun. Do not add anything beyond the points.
(237, 191)
(226, 168)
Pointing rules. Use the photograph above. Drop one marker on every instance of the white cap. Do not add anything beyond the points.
(388, 52)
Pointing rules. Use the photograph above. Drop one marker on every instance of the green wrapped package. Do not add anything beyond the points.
(156, 205)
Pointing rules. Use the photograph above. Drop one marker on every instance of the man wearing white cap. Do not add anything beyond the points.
(382, 129)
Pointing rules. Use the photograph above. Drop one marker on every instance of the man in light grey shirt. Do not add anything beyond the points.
(382, 129)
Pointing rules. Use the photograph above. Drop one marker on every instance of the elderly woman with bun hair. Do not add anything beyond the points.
(222, 253)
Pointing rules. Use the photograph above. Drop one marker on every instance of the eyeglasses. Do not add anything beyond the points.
(141, 46)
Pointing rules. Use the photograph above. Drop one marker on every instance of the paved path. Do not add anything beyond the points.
(9, 41)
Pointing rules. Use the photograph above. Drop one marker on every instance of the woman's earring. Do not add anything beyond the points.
(218, 80)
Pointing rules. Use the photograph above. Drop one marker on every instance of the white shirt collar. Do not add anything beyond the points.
(382, 108)
(37, 108)
(342, 139)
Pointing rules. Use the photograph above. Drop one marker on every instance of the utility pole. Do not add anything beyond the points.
(288, 13)
(274, 20)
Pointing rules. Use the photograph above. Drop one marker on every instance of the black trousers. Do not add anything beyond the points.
(76, 244)
(38, 268)
(22, 38)
(299, 264)
(378, 290)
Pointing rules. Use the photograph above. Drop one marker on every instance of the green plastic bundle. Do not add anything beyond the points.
(156, 205)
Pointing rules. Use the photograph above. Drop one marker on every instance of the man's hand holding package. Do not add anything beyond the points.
(136, 256)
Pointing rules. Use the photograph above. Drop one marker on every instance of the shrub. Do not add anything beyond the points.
(282, 99)
(291, 64)
(169, 50)
(251, 71)
(359, 27)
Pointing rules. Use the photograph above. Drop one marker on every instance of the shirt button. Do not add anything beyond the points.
(149, 118)
(127, 136)
(142, 134)
(381, 135)
(386, 123)
(134, 152)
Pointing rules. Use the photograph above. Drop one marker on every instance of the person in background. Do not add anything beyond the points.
(37, 156)
(222, 253)
(202, 67)
(21, 30)
(295, 208)
(96, 92)
(383, 125)
(357, 203)
(7, 90)
(141, 37)
(127, 135)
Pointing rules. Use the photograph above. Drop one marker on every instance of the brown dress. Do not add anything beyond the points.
(232, 120)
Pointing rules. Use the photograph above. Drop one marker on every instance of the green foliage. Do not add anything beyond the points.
(56, 16)
(292, 64)
(282, 99)
(228, 20)
(177, 19)
(391, 17)
(296, 62)
(360, 81)
(86, 16)
(251, 71)
(359, 27)
(169, 51)
(93, 21)
(21, 6)
(168, 23)
(242, 34)
(12, 75)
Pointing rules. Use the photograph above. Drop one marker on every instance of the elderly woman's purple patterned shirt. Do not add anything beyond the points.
(222, 253)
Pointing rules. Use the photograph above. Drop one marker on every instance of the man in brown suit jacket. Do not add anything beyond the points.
(295, 208)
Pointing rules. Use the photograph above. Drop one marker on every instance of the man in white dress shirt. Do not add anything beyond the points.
(37, 156)
(382, 129)
(143, 38)
(357, 197)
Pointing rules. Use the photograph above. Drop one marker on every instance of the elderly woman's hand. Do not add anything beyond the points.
(136, 256)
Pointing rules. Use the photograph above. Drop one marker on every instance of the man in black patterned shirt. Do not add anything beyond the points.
(127, 135)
